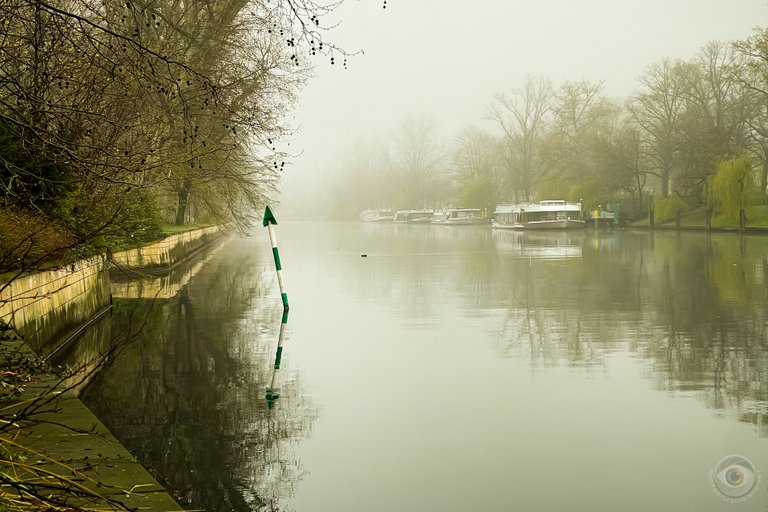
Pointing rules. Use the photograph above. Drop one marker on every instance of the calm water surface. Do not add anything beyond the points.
(451, 368)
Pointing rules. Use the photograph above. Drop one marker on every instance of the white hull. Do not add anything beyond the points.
(542, 224)
(465, 221)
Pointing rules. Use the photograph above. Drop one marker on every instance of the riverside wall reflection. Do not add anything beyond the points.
(691, 304)
(185, 393)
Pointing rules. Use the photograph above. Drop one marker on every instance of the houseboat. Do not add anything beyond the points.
(414, 216)
(376, 215)
(459, 216)
(551, 214)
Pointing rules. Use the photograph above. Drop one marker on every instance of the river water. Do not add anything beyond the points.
(451, 368)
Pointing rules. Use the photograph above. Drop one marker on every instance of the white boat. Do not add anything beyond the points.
(414, 216)
(376, 215)
(551, 214)
(459, 216)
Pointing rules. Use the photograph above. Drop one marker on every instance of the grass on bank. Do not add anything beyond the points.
(757, 217)
(173, 229)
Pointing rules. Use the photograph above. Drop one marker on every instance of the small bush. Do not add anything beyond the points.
(28, 239)
(668, 208)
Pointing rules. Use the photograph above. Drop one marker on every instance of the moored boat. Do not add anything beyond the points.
(383, 215)
(550, 214)
(459, 216)
(414, 216)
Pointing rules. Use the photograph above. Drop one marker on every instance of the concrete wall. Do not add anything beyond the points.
(43, 305)
(162, 286)
(46, 305)
(166, 253)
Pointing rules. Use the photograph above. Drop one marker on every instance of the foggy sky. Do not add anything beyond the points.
(445, 59)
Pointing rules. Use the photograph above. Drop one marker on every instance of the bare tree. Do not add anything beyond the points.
(478, 166)
(415, 158)
(523, 114)
(581, 114)
(359, 180)
(753, 81)
(713, 126)
(658, 109)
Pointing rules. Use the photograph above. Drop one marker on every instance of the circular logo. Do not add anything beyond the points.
(734, 477)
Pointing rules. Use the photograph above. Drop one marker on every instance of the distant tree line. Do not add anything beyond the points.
(666, 142)
(119, 116)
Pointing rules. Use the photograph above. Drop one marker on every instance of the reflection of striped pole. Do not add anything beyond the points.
(269, 219)
(273, 391)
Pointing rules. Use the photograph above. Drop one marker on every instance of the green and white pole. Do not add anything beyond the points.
(269, 220)
(273, 391)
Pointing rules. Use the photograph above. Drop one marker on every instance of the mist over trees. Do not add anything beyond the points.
(686, 121)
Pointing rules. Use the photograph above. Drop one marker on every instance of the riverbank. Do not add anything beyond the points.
(756, 222)
(55, 451)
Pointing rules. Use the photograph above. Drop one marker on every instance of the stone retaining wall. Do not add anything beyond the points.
(48, 304)
(41, 305)
(166, 253)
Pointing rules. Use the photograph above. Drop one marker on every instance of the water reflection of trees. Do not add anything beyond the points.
(692, 304)
(187, 396)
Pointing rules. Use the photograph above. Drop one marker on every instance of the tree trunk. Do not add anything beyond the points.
(742, 220)
(764, 176)
(183, 201)
(665, 184)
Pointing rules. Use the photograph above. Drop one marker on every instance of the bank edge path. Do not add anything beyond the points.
(65, 434)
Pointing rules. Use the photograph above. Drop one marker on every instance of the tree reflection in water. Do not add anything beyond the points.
(694, 305)
(186, 397)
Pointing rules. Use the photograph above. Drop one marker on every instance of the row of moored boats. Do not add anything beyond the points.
(551, 214)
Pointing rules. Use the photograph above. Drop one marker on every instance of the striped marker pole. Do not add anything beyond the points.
(273, 391)
(269, 220)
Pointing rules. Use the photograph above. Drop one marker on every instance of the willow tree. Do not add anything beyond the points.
(732, 188)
